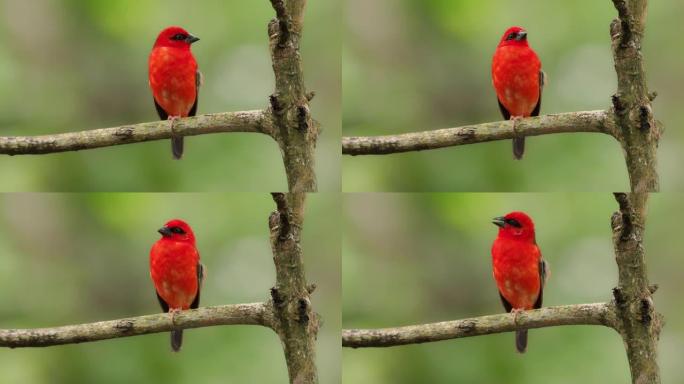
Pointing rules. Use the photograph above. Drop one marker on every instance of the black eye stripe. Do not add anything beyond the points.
(511, 36)
(513, 223)
(179, 36)
(178, 230)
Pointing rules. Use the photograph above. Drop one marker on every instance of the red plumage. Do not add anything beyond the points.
(174, 78)
(176, 271)
(518, 80)
(519, 270)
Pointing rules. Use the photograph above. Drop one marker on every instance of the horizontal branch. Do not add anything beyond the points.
(248, 121)
(247, 314)
(588, 121)
(579, 314)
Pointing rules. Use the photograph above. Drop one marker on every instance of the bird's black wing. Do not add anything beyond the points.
(542, 80)
(200, 279)
(543, 269)
(165, 307)
(198, 83)
(507, 306)
(160, 111)
(504, 112)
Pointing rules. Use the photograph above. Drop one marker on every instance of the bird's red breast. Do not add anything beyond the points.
(516, 76)
(516, 261)
(174, 261)
(173, 79)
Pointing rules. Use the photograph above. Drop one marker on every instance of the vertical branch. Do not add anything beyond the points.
(294, 319)
(296, 131)
(638, 131)
(637, 321)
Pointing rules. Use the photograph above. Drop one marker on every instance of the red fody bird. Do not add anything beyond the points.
(518, 80)
(176, 272)
(519, 270)
(174, 79)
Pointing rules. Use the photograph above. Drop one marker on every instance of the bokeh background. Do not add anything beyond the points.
(411, 259)
(69, 259)
(72, 65)
(414, 65)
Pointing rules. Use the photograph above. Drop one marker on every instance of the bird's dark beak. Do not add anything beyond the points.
(165, 231)
(192, 39)
(499, 221)
(521, 35)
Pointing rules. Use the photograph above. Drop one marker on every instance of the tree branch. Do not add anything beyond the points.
(580, 314)
(247, 121)
(637, 321)
(296, 131)
(589, 121)
(638, 131)
(294, 319)
(248, 314)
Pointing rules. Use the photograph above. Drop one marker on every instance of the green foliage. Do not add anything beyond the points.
(415, 65)
(75, 65)
(70, 259)
(411, 259)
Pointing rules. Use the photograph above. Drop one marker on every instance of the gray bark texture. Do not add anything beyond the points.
(630, 120)
(631, 312)
(287, 119)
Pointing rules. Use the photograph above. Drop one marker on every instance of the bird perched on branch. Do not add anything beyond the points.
(176, 272)
(520, 271)
(174, 79)
(518, 80)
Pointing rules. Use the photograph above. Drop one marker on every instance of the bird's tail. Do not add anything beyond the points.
(518, 147)
(521, 340)
(177, 147)
(176, 340)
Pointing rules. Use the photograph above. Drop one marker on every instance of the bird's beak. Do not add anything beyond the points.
(499, 221)
(192, 39)
(165, 231)
(521, 35)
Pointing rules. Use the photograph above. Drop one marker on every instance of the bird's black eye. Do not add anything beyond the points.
(511, 36)
(513, 223)
(178, 230)
(179, 37)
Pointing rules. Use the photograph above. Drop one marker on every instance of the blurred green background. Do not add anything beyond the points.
(70, 259)
(411, 259)
(73, 65)
(414, 65)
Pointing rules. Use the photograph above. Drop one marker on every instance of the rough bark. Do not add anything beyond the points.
(247, 121)
(252, 314)
(580, 314)
(638, 131)
(296, 131)
(637, 321)
(294, 319)
(589, 121)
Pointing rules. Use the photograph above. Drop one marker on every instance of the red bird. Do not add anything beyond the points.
(176, 272)
(518, 80)
(174, 79)
(519, 270)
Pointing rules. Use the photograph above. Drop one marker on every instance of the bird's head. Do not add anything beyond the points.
(514, 36)
(177, 230)
(515, 225)
(175, 37)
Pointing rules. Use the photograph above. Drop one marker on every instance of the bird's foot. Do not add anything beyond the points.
(516, 312)
(173, 119)
(173, 312)
(515, 120)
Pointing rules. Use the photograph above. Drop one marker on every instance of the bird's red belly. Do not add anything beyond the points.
(516, 80)
(173, 82)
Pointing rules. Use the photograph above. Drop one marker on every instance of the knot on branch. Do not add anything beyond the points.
(647, 311)
(124, 326)
(645, 117)
(622, 221)
(303, 310)
(276, 298)
(279, 221)
(279, 27)
(303, 117)
(276, 105)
